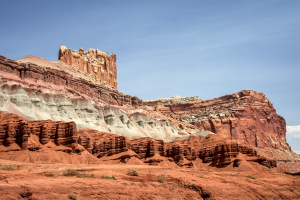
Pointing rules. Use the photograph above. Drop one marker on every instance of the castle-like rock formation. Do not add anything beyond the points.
(94, 62)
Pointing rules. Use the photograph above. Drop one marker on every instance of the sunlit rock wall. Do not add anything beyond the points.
(94, 62)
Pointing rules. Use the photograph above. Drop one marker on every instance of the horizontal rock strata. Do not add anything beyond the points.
(172, 100)
(246, 116)
(29, 74)
(73, 90)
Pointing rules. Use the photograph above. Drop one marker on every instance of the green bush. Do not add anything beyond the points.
(250, 176)
(133, 173)
(109, 177)
(72, 196)
(161, 179)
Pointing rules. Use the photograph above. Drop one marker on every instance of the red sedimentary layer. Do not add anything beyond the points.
(15, 129)
(29, 73)
(211, 149)
(247, 116)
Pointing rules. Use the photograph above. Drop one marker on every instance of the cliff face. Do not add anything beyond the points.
(17, 130)
(59, 102)
(62, 80)
(59, 91)
(54, 92)
(94, 62)
(210, 149)
(246, 116)
(19, 134)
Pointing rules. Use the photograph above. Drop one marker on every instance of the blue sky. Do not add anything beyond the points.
(166, 48)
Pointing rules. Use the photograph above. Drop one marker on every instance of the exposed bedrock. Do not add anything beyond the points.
(34, 104)
(247, 116)
(137, 125)
(56, 91)
(62, 78)
(18, 133)
(210, 149)
(94, 62)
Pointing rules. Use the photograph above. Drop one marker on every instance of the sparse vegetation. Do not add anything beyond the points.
(108, 177)
(250, 176)
(85, 175)
(74, 172)
(49, 174)
(161, 179)
(133, 173)
(8, 167)
(70, 172)
(72, 196)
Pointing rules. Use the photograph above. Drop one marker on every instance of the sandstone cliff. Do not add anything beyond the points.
(94, 62)
(15, 131)
(19, 134)
(37, 89)
(247, 116)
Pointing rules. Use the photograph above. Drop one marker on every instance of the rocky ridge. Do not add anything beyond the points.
(173, 100)
(37, 89)
(246, 116)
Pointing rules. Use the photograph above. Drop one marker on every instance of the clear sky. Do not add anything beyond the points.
(165, 48)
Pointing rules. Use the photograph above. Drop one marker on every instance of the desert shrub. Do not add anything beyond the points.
(133, 173)
(49, 174)
(70, 172)
(8, 167)
(72, 196)
(108, 177)
(85, 175)
(74, 172)
(161, 179)
(250, 176)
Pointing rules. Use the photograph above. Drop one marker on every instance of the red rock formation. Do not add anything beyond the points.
(17, 130)
(64, 81)
(101, 143)
(211, 149)
(246, 116)
(94, 62)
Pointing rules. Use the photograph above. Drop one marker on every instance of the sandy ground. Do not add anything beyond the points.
(45, 181)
